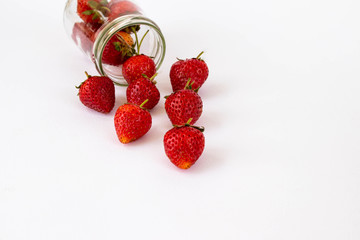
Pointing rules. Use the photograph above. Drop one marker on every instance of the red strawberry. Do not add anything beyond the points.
(121, 7)
(84, 36)
(97, 93)
(184, 145)
(136, 66)
(118, 49)
(182, 70)
(92, 11)
(141, 89)
(182, 105)
(131, 122)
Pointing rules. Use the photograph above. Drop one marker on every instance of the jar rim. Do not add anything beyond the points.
(116, 25)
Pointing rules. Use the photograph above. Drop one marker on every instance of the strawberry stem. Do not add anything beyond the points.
(87, 75)
(189, 84)
(142, 39)
(136, 40)
(137, 43)
(105, 10)
(150, 79)
(198, 57)
(142, 105)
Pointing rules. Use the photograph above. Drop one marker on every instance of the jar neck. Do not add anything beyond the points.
(111, 28)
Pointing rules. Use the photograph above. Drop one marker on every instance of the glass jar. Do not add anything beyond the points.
(98, 27)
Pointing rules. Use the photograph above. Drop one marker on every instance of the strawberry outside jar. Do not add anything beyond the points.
(110, 32)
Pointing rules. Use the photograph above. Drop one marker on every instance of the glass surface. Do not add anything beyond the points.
(110, 32)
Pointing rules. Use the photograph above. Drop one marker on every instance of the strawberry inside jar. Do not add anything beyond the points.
(110, 32)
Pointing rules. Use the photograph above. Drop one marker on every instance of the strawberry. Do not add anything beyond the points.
(141, 89)
(132, 122)
(182, 70)
(118, 49)
(121, 7)
(92, 11)
(83, 35)
(140, 64)
(135, 66)
(97, 93)
(182, 105)
(184, 145)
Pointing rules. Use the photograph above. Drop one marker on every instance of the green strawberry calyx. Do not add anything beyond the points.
(131, 29)
(98, 10)
(122, 46)
(87, 77)
(187, 124)
(189, 86)
(198, 57)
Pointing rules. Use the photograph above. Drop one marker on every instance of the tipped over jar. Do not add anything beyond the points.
(110, 32)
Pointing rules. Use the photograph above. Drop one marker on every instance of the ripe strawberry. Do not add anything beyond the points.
(84, 36)
(92, 11)
(182, 105)
(118, 49)
(132, 122)
(135, 66)
(182, 70)
(121, 7)
(141, 89)
(97, 93)
(184, 145)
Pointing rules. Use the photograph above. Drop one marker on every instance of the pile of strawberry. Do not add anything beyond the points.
(94, 14)
(184, 143)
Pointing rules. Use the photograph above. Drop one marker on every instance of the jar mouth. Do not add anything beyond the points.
(156, 44)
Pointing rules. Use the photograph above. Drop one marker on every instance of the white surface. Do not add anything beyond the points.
(282, 118)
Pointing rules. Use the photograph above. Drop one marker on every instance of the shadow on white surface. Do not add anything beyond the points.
(211, 159)
(120, 97)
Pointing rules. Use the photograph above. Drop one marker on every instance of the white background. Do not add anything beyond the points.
(281, 112)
